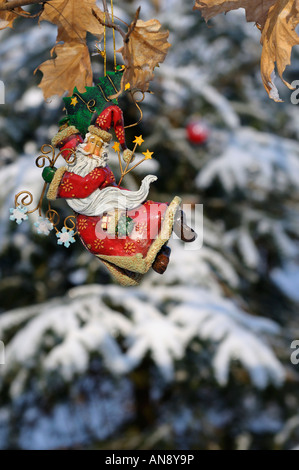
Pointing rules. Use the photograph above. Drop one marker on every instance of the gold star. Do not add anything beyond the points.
(127, 86)
(116, 147)
(147, 154)
(74, 101)
(138, 140)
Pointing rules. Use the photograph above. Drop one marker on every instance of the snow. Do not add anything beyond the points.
(289, 426)
(258, 360)
(178, 79)
(78, 420)
(32, 98)
(254, 156)
(78, 276)
(274, 94)
(248, 249)
(287, 279)
(83, 324)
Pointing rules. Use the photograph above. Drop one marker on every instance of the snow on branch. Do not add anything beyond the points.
(61, 335)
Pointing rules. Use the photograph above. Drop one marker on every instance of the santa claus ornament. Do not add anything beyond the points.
(123, 228)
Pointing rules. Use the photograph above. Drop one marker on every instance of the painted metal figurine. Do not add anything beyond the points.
(128, 233)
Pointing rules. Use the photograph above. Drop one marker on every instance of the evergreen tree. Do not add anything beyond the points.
(198, 358)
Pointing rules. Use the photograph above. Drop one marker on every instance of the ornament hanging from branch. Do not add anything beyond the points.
(125, 230)
(277, 20)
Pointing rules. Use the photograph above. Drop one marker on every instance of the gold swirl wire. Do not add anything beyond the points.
(44, 157)
(72, 220)
(26, 198)
(89, 104)
(138, 107)
(103, 93)
(25, 195)
(51, 214)
(23, 201)
(40, 162)
(71, 158)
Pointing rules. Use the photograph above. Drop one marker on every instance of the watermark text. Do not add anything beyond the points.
(2, 353)
(295, 354)
(295, 94)
(150, 221)
(2, 92)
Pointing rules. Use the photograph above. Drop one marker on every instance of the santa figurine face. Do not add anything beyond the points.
(93, 145)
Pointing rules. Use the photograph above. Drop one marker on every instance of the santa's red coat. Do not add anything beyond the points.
(128, 255)
(146, 219)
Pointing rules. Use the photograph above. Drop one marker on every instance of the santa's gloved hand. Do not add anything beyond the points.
(48, 173)
(127, 156)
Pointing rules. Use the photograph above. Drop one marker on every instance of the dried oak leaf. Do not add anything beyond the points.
(73, 18)
(277, 21)
(146, 47)
(7, 17)
(278, 38)
(256, 10)
(70, 68)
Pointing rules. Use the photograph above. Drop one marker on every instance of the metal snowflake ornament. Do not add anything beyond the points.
(65, 237)
(18, 214)
(43, 226)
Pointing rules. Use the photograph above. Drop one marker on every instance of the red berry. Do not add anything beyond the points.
(197, 132)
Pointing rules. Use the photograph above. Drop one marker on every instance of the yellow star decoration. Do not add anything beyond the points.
(74, 101)
(98, 49)
(127, 86)
(138, 140)
(116, 147)
(147, 154)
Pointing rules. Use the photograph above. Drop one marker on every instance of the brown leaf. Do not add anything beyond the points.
(7, 17)
(278, 38)
(146, 48)
(256, 10)
(70, 68)
(73, 18)
(277, 20)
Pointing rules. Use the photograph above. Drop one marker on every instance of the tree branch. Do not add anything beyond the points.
(106, 10)
(117, 28)
(109, 24)
(20, 3)
(132, 25)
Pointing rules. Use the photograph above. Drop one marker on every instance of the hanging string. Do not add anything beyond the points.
(105, 52)
(114, 51)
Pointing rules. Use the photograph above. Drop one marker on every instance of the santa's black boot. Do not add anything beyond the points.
(181, 229)
(162, 259)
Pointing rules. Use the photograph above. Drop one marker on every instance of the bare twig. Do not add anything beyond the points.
(109, 24)
(117, 28)
(106, 10)
(26, 15)
(21, 3)
(132, 25)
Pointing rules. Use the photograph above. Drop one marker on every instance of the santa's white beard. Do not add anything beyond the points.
(84, 164)
(107, 199)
